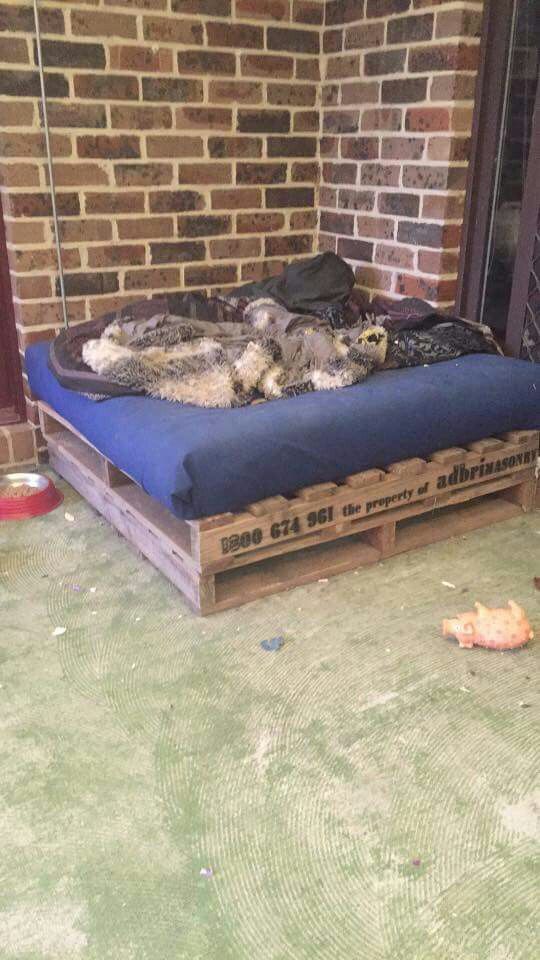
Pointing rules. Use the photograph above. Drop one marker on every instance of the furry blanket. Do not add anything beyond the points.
(271, 353)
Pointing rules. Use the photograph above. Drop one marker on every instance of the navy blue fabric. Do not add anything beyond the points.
(199, 462)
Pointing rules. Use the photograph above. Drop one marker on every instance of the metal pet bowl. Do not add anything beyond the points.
(24, 495)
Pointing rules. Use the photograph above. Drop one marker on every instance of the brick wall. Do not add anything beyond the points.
(185, 134)
(397, 95)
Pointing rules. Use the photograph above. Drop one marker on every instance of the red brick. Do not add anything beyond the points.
(359, 148)
(291, 94)
(20, 19)
(381, 8)
(158, 278)
(307, 172)
(443, 207)
(329, 146)
(235, 248)
(39, 205)
(399, 204)
(289, 197)
(173, 30)
(249, 173)
(356, 199)
(32, 288)
(360, 92)
(19, 174)
(341, 223)
(203, 226)
(140, 118)
(402, 148)
(261, 269)
(60, 53)
(203, 276)
(89, 24)
(19, 232)
(237, 35)
(355, 249)
(236, 199)
(342, 11)
(203, 118)
(328, 196)
(76, 114)
(174, 146)
(434, 178)
(380, 228)
(458, 23)
(379, 174)
(393, 256)
(143, 174)
(381, 119)
(279, 147)
(25, 83)
(308, 69)
(340, 172)
(13, 50)
(331, 94)
(341, 121)
(412, 286)
(368, 278)
(364, 35)
(306, 121)
(383, 62)
(114, 202)
(145, 228)
(259, 222)
(143, 59)
(116, 255)
(207, 8)
(186, 251)
(307, 11)
(428, 119)
(462, 118)
(453, 86)
(262, 65)
(172, 89)
(263, 121)
(449, 148)
(219, 147)
(16, 114)
(407, 90)
(438, 261)
(294, 244)
(175, 201)
(106, 86)
(345, 66)
(333, 41)
(296, 41)
(82, 284)
(107, 147)
(204, 173)
(241, 91)
(263, 9)
(460, 56)
(410, 29)
(206, 61)
(79, 175)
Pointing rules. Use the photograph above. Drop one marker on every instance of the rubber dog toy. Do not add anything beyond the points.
(502, 628)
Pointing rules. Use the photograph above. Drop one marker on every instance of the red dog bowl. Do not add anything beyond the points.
(24, 495)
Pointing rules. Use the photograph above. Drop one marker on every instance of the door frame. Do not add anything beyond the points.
(13, 409)
(491, 85)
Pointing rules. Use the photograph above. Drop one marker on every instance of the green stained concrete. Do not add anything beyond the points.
(144, 744)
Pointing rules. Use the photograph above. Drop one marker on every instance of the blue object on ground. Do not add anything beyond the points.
(200, 461)
(272, 645)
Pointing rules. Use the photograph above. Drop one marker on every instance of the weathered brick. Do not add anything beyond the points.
(443, 207)
(359, 148)
(235, 248)
(25, 83)
(333, 41)
(219, 147)
(340, 172)
(204, 173)
(459, 23)
(402, 148)
(236, 199)
(172, 89)
(345, 66)
(306, 121)
(82, 231)
(261, 269)
(289, 197)
(294, 244)
(342, 11)
(114, 202)
(117, 255)
(307, 11)
(292, 146)
(453, 86)
(291, 94)
(143, 59)
(203, 226)
(76, 114)
(393, 256)
(20, 19)
(203, 276)
(380, 228)
(434, 178)
(369, 278)
(355, 249)
(329, 146)
(30, 288)
(307, 69)
(142, 228)
(140, 118)
(15, 114)
(82, 284)
(174, 146)
(106, 86)
(22, 442)
(364, 35)
(438, 261)
(263, 121)
(203, 118)
(328, 196)
(379, 174)
(259, 222)
(384, 61)
(237, 35)
(296, 41)
(206, 61)
(360, 92)
(356, 199)
(341, 223)
(381, 119)
(79, 175)
(173, 30)
(86, 23)
(177, 252)
(175, 201)
(263, 9)
(39, 204)
(427, 119)
(459, 56)
(248, 173)
(143, 174)
(19, 174)
(263, 65)
(305, 172)
(241, 91)
(381, 8)
(410, 29)
(208, 8)
(14, 144)
(13, 50)
(109, 147)
(449, 148)
(162, 278)
(61, 53)
(434, 290)
(20, 233)
(399, 204)
(331, 93)
(341, 121)
(420, 234)
(408, 90)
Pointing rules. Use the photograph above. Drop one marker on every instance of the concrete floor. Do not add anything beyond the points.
(366, 793)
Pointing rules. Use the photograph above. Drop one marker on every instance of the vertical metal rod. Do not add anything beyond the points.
(51, 168)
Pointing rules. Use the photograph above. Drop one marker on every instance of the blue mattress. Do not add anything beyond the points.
(198, 462)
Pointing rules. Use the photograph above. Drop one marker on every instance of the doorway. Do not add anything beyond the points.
(499, 282)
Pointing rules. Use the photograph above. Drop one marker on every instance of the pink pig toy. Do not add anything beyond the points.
(503, 628)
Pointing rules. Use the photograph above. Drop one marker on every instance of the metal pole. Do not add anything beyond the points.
(51, 168)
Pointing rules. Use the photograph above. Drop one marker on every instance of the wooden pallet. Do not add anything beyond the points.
(232, 558)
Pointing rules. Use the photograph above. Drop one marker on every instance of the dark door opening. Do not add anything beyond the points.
(11, 392)
(499, 228)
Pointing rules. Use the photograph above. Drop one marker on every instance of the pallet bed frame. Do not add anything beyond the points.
(231, 558)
